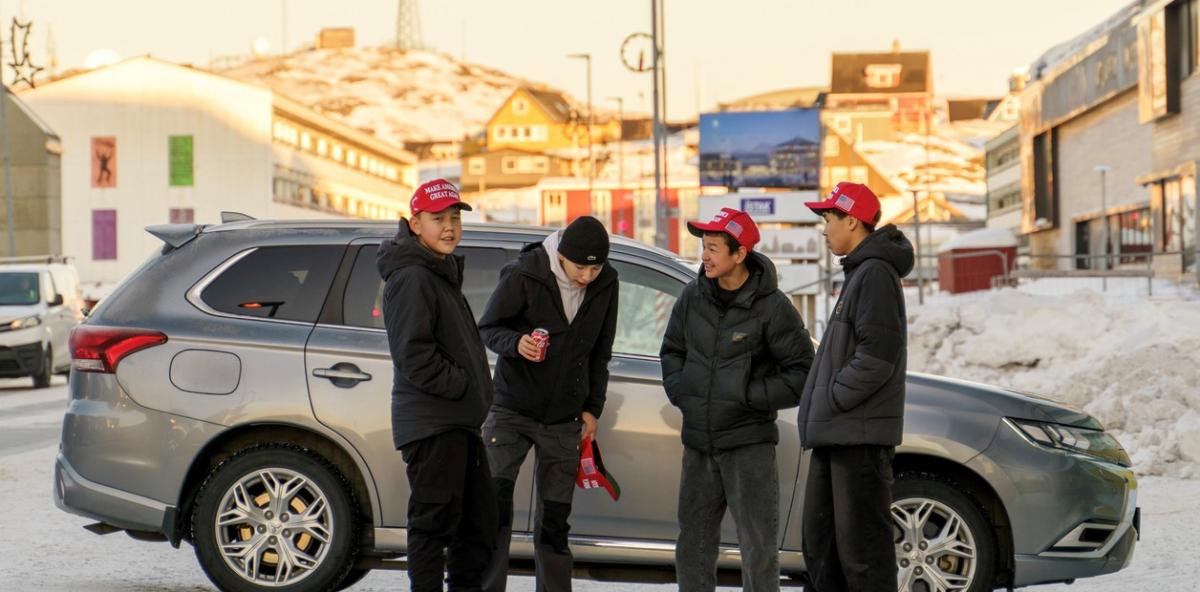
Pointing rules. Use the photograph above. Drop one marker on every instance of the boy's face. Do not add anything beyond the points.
(718, 260)
(839, 233)
(439, 232)
(580, 275)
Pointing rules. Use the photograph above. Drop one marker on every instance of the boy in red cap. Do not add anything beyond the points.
(852, 412)
(735, 353)
(441, 391)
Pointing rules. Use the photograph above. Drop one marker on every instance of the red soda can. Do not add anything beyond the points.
(541, 337)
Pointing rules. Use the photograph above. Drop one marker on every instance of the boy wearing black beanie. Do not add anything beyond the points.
(548, 400)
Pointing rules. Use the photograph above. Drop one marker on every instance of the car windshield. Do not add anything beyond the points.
(18, 289)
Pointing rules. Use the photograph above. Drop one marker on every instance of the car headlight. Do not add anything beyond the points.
(24, 323)
(1095, 443)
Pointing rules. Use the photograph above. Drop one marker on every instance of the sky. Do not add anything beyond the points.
(716, 50)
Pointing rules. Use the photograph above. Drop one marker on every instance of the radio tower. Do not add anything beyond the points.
(408, 26)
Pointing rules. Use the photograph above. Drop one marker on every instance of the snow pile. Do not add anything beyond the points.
(1131, 361)
(395, 94)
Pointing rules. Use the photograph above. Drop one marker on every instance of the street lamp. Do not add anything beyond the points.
(620, 140)
(1103, 170)
(587, 58)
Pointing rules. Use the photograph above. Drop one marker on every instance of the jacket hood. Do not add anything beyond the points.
(763, 281)
(887, 244)
(405, 250)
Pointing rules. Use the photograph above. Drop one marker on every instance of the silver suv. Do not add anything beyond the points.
(234, 393)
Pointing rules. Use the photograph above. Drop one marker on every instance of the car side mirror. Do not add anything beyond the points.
(57, 300)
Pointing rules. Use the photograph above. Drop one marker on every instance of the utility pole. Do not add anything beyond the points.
(660, 204)
(621, 141)
(587, 58)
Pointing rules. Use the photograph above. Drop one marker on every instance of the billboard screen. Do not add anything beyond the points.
(760, 149)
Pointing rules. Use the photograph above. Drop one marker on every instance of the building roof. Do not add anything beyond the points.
(802, 97)
(278, 101)
(849, 72)
(553, 103)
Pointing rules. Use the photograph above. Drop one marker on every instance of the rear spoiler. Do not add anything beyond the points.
(175, 235)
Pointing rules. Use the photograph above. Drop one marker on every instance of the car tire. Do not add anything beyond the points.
(942, 534)
(41, 379)
(355, 576)
(286, 515)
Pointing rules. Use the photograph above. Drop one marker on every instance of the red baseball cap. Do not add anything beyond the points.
(854, 199)
(735, 223)
(435, 196)
(592, 474)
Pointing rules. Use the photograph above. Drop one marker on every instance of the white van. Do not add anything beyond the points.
(40, 304)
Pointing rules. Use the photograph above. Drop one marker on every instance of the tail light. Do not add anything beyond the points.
(100, 349)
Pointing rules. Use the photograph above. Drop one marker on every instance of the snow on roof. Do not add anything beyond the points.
(984, 238)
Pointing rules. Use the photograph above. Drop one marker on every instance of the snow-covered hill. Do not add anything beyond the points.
(395, 94)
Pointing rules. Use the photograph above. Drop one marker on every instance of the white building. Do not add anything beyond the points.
(148, 142)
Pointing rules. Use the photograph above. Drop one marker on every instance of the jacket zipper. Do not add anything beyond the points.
(712, 376)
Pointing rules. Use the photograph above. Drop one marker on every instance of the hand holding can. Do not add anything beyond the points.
(541, 338)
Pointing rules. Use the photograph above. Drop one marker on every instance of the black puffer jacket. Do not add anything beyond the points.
(855, 392)
(731, 369)
(574, 376)
(441, 380)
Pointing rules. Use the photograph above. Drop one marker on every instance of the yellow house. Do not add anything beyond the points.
(540, 120)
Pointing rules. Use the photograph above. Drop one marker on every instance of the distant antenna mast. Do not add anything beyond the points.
(408, 26)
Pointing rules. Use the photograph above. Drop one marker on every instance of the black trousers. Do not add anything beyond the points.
(848, 533)
(451, 511)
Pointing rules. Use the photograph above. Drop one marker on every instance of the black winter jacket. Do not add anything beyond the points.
(573, 378)
(441, 380)
(855, 392)
(729, 370)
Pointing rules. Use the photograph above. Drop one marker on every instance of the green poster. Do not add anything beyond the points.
(181, 161)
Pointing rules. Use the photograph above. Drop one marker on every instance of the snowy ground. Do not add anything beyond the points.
(45, 550)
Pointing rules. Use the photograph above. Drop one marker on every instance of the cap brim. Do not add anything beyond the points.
(699, 228)
(819, 206)
(462, 205)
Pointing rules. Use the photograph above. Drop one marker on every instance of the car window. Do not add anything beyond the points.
(18, 288)
(276, 282)
(647, 297)
(363, 303)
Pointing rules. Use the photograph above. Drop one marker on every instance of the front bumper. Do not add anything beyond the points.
(1073, 516)
(20, 353)
(77, 495)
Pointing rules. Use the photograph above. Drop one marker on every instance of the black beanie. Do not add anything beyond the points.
(584, 242)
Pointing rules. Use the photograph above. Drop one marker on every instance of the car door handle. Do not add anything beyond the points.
(343, 374)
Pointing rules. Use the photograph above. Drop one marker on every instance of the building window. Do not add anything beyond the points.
(501, 133)
(322, 146)
(1135, 235)
(540, 133)
(104, 162)
(843, 124)
(508, 165)
(1045, 180)
(305, 141)
(351, 158)
(180, 161)
(336, 152)
(520, 106)
(859, 175)
(541, 165)
(477, 165)
(838, 174)
(883, 75)
(182, 216)
(554, 198)
(824, 178)
(832, 146)
(104, 235)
